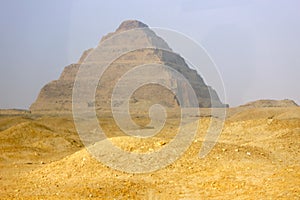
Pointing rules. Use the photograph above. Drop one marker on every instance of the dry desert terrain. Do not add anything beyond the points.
(256, 157)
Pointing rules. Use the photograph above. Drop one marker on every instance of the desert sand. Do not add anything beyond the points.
(256, 157)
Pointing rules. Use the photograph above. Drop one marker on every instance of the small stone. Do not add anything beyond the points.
(161, 143)
(248, 153)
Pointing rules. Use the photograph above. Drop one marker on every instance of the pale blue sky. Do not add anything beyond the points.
(255, 43)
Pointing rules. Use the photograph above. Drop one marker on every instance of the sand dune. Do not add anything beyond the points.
(257, 155)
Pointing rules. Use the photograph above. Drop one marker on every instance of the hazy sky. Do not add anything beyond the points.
(255, 43)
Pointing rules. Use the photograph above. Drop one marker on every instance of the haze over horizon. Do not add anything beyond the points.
(255, 44)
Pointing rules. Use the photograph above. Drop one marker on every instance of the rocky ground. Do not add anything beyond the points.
(257, 157)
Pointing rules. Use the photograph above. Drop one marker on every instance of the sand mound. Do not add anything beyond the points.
(271, 103)
(26, 141)
(9, 121)
(33, 134)
(253, 157)
(81, 176)
(241, 114)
